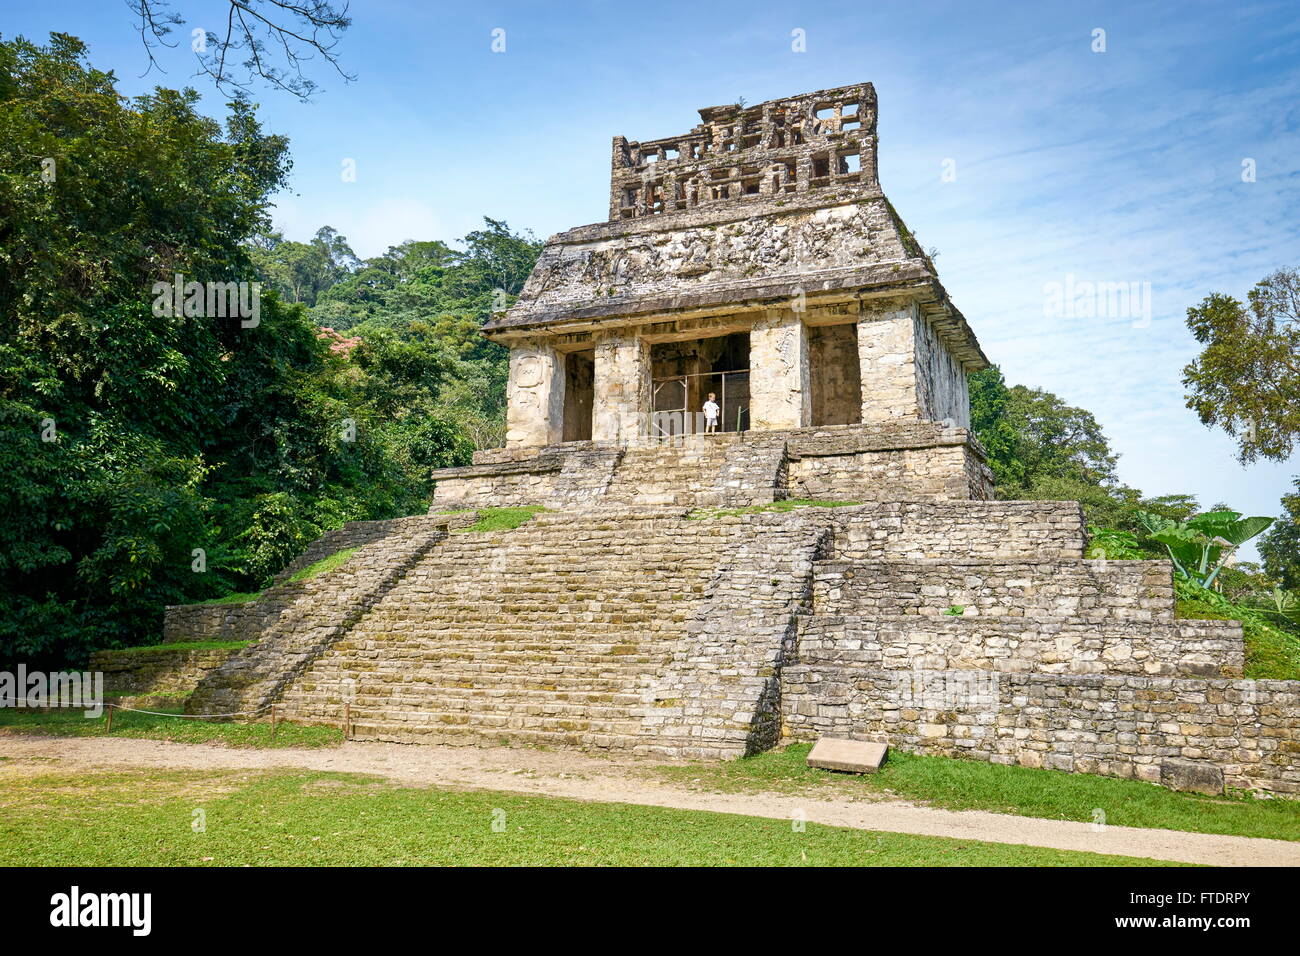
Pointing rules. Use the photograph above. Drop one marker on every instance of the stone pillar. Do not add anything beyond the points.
(535, 396)
(887, 355)
(780, 394)
(622, 387)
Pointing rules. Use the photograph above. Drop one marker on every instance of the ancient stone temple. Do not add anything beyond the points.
(829, 562)
(756, 259)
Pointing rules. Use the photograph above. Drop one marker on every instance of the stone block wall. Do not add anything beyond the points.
(835, 462)
(634, 630)
(930, 530)
(214, 622)
(353, 534)
(942, 391)
(720, 694)
(1092, 591)
(1115, 725)
(640, 629)
(160, 673)
(1020, 645)
(886, 353)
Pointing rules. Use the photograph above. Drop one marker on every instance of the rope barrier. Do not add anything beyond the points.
(155, 713)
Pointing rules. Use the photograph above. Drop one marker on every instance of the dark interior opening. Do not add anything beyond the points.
(685, 373)
(579, 394)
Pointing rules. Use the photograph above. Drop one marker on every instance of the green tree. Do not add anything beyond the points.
(301, 271)
(1033, 437)
(1280, 547)
(1247, 378)
(140, 446)
(1040, 448)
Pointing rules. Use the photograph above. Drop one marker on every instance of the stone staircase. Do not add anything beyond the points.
(971, 628)
(724, 470)
(564, 631)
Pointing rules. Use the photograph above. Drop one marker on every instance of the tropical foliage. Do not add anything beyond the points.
(1247, 378)
(155, 459)
(1202, 546)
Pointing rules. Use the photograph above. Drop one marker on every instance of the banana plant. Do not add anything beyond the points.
(1286, 604)
(1202, 546)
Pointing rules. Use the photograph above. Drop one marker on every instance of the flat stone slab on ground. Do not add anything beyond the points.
(855, 756)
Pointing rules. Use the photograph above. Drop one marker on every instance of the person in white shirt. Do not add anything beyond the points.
(711, 411)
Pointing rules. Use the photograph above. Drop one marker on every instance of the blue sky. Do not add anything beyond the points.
(1123, 165)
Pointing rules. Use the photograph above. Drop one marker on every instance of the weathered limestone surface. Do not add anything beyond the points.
(535, 396)
(840, 462)
(215, 622)
(309, 616)
(1009, 644)
(852, 756)
(161, 673)
(778, 379)
(886, 353)
(1111, 724)
(1094, 591)
(719, 694)
(622, 388)
(942, 391)
(646, 631)
(637, 630)
(963, 530)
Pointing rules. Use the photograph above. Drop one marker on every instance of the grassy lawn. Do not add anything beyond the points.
(235, 597)
(319, 819)
(73, 723)
(975, 785)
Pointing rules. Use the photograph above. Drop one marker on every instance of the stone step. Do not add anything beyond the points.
(962, 530)
(446, 697)
(1089, 591)
(1025, 645)
(571, 654)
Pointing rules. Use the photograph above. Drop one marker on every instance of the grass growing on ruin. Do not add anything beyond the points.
(975, 785)
(500, 519)
(786, 504)
(184, 646)
(236, 597)
(322, 819)
(126, 723)
(1271, 653)
(323, 566)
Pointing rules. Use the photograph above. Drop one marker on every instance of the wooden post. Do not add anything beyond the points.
(109, 728)
(273, 721)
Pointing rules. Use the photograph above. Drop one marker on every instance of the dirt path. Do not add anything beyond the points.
(585, 777)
